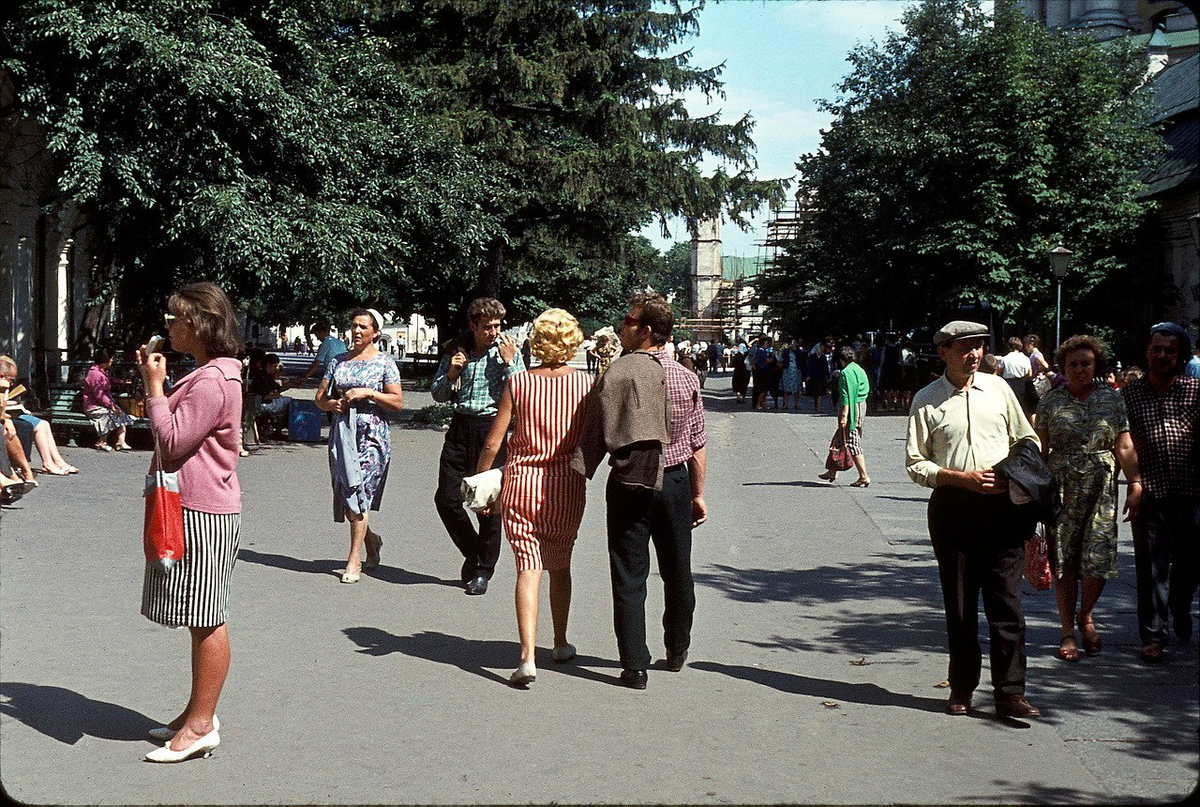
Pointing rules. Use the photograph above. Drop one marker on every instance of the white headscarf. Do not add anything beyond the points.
(378, 319)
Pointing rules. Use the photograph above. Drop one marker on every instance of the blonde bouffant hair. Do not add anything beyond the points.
(556, 336)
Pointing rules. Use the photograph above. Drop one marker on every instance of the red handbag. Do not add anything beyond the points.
(840, 458)
(1037, 562)
(162, 530)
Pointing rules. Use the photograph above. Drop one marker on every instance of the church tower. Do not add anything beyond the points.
(706, 278)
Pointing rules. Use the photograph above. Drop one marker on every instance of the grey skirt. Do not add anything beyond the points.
(107, 420)
(195, 593)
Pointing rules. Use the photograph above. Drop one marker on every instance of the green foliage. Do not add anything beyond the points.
(252, 142)
(313, 154)
(438, 414)
(577, 109)
(961, 150)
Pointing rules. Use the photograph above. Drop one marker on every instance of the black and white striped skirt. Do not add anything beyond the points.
(195, 593)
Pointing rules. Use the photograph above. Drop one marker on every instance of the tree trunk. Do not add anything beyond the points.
(490, 276)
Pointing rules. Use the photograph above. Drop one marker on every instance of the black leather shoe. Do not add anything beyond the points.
(634, 679)
(675, 661)
(477, 585)
(1183, 627)
(959, 703)
(1016, 706)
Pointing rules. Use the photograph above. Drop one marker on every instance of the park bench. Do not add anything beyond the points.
(66, 414)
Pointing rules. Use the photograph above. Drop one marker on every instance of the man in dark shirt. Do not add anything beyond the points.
(1164, 417)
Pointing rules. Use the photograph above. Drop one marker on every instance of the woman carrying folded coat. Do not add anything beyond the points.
(358, 386)
(1085, 436)
(196, 429)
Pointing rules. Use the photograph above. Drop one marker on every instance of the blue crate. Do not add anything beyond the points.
(304, 422)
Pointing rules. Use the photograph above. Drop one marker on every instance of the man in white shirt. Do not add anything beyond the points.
(1016, 369)
(960, 426)
(1015, 362)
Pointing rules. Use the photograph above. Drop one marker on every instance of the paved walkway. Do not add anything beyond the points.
(818, 650)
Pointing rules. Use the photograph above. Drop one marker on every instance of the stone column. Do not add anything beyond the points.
(706, 276)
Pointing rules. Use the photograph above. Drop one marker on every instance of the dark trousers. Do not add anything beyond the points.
(1166, 554)
(637, 516)
(979, 542)
(460, 454)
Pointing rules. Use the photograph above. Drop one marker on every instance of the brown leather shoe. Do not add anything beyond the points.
(959, 703)
(1016, 706)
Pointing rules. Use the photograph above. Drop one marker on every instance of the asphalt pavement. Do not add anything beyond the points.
(814, 672)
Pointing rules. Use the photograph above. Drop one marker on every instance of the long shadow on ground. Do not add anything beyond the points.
(388, 574)
(68, 716)
(841, 691)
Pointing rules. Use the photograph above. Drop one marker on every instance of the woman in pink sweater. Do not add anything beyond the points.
(196, 429)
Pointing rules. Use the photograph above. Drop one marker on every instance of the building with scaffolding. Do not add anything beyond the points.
(722, 306)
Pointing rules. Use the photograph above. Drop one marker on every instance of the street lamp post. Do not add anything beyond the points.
(1194, 225)
(1060, 257)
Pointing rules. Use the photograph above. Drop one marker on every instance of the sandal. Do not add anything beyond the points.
(861, 483)
(1152, 653)
(1066, 653)
(1091, 639)
(828, 476)
(59, 472)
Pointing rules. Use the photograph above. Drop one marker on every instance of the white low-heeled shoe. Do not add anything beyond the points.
(164, 734)
(202, 747)
(563, 653)
(525, 674)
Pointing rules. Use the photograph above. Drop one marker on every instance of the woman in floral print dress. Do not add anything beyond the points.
(357, 387)
(1085, 434)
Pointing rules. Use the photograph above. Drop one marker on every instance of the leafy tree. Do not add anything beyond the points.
(961, 150)
(251, 142)
(576, 108)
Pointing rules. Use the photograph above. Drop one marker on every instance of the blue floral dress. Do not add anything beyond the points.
(359, 467)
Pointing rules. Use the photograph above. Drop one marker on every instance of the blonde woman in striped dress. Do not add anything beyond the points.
(543, 498)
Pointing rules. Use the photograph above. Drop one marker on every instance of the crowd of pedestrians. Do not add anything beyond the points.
(1004, 442)
(971, 439)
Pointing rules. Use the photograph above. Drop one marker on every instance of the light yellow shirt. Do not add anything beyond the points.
(965, 430)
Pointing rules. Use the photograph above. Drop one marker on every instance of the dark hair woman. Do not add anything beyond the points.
(196, 429)
(358, 386)
(107, 418)
(853, 388)
(1084, 432)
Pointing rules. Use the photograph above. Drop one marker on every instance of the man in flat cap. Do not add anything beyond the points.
(959, 427)
(1164, 422)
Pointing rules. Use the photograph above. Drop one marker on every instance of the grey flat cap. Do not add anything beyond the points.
(959, 329)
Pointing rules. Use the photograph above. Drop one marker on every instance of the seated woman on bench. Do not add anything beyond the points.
(275, 405)
(106, 416)
(43, 438)
(16, 477)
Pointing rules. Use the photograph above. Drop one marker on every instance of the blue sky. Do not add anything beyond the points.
(781, 57)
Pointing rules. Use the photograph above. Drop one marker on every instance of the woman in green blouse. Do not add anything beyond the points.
(1085, 434)
(851, 393)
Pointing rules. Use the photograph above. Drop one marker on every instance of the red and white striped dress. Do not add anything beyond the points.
(543, 498)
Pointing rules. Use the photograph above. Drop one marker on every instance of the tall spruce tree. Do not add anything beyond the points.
(961, 150)
(576, 109)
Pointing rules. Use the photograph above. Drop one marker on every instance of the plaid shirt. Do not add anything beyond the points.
(1163, 428)
(477, 389)
(686, 429)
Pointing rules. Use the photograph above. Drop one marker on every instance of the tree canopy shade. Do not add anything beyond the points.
(312, 154)
(961, 150)
(576, 108)
(255, 143)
